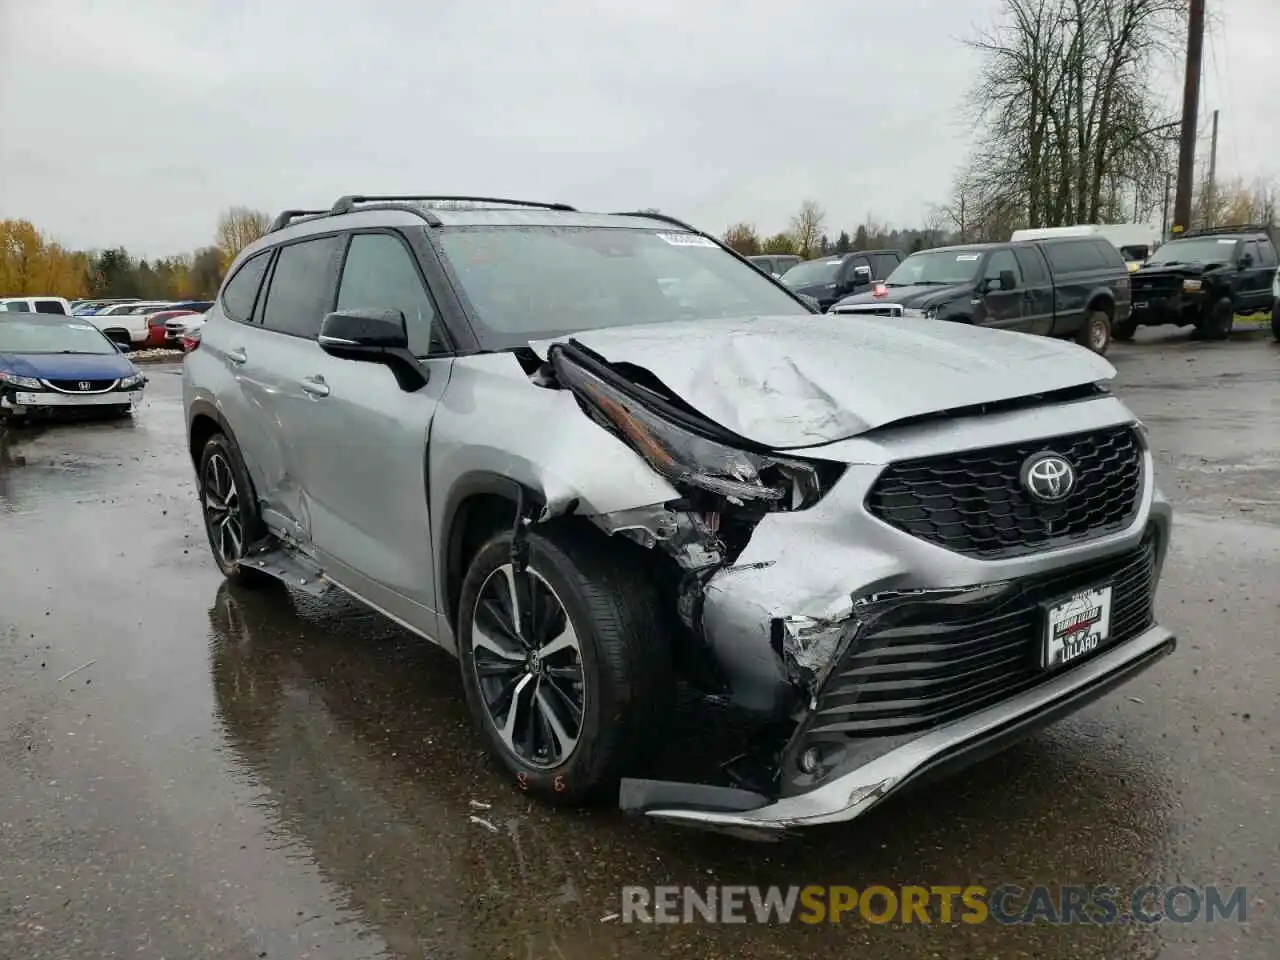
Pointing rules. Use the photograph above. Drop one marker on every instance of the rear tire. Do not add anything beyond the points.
(1218, 319)
(232, 521)
(588, 711)
(1095, 335)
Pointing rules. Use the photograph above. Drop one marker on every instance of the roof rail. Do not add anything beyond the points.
(665, 218)
(347, 204)
(288, 216)
(1229, 229)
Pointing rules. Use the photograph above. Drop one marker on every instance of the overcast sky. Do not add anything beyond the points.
(134, 121)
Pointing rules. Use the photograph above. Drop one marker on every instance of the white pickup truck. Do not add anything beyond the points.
(125, 323)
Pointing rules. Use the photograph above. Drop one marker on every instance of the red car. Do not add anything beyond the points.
(155, 326)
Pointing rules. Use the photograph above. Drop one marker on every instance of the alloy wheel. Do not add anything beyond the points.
(222, 510)
(1098, 334)
(528, 666)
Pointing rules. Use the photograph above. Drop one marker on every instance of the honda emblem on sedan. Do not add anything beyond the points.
(84, 385)
(1048, 477)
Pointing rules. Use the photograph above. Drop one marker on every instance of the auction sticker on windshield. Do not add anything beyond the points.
(967, 256)
(686, 240)
(1076, 626)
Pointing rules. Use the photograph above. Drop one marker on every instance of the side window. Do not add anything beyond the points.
(1071, 257)
(241, 291)
(14, 306)
(1109, 254)
(1031, 260)
(998, 262)
(299, 294)
(49, 306)
(883, 264)
(380, 274)
(1266, 252)
(1250, 249)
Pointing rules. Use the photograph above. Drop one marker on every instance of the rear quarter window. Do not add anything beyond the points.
(241, 290)
(50, 306)
(1082, 255)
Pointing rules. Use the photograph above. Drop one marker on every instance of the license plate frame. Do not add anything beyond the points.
(1076, 625)
(1141, 305)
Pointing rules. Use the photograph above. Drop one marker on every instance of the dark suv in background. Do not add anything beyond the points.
(1204, 278)
(1070, 287)
(827, 279)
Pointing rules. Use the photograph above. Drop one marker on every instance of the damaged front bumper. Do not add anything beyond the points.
(889, 657)
(938, 751)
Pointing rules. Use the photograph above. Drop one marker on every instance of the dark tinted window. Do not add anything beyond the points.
(380, 274)
(49, 306)
(238, 295)
(299, 294)
(883, 264)
(1111, 255)
(997, 263)
(1267, 252)
(1074, 256)
(1250, 249)
(1032, 263)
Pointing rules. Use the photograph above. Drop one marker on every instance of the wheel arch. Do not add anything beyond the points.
(1102, 299)
(479, 504)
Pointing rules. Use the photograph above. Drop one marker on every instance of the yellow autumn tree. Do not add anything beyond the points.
(237, 228)
(30, 264)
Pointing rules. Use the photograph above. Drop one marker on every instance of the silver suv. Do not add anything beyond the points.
(606, 462)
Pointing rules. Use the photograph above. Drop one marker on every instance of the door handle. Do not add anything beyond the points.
(1028, 295)
(315, 386)
(237, 355)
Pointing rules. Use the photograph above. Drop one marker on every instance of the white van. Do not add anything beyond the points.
(35, 305)
(1135, 241)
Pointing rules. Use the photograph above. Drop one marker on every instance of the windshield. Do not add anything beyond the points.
(1196, 250)
(812, 272)
(33, 336)
(936, 267)
(527, 283)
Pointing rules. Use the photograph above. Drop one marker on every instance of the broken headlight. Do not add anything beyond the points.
(686, 457)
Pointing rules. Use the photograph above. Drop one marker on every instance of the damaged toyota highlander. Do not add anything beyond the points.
(606, 463)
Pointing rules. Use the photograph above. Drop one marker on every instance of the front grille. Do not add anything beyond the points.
(1143, 288)
(78, 386)
(974, 502)
(910, 672)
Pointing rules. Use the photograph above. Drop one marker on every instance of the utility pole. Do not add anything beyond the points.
(1190, 109)
(1164, 216)
(1209, 208)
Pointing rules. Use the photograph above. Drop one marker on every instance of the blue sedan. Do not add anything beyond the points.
(55, 364)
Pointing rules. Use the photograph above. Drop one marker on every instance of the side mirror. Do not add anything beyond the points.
(375, 336)
(861, 276)
(1246, 261)
(1007, 280)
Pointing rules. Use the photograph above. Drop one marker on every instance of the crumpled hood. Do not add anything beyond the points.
(918, 295)
(68, 366)
(790, 382)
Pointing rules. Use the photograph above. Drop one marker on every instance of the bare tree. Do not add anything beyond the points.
(1074, 128)
(807, 227)
(237, 228)
(743, 238)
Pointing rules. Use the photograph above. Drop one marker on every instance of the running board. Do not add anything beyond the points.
(289, 567)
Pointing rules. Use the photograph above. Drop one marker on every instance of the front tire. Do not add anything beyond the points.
(230, 511)
(1218, 320)
(574, 697)
(1095, 335)
(1125, 330)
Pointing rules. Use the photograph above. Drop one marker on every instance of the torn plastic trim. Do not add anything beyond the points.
(942, 749)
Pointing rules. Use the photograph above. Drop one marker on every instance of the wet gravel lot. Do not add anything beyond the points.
(258, 775)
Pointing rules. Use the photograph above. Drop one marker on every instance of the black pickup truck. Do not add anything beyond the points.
(1074, 287)
(1205, 278)
(827, 279)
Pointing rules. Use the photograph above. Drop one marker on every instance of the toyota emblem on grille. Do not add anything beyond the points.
(1048, 477)
(84, 385)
